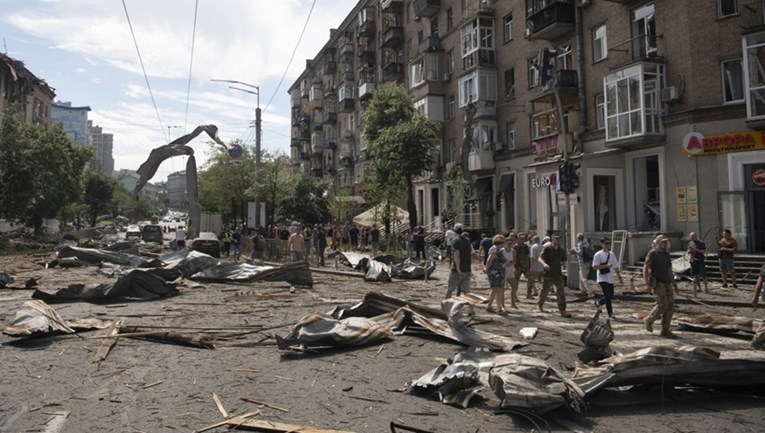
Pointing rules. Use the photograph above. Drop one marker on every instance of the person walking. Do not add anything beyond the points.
(374, 239)
(418, 239)
(449, 236)
(510, 258)
(697, 250)
(728, 247)
(320, 238)
(495, 270)
(236, 244)
(658, 276)
(536, 268)
(522, 253)
(584, 256)
(258, 247)
(353, 235)
(296, 246)
(180, 237)
(484, 245)
(409, 241)
(553, 260)
(307, 240)
(460, 271)
(607, 265)
(226, 238)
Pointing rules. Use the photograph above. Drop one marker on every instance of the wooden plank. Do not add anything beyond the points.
(219, 405)
(276, 427)
(108, 343)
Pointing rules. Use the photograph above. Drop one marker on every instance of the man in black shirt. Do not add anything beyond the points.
(459, 275)
(553, 260)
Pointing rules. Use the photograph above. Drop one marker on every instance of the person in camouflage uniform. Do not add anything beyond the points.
(658, 276)
(553, 259)
(522, 253)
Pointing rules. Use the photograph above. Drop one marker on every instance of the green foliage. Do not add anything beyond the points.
(401, 144)
(41, 169)
(275, 184)
(307, 203)
(223, 187)
(99, 191)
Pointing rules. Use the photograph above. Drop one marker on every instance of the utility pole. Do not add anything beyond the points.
(257, 136)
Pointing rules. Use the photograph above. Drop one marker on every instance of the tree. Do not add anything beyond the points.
(275, 183)
(400, 142)
(308, 202)
(41, 170)
(224, 187)
(99, 191)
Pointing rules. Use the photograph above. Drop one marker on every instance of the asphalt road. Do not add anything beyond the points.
(53, 385)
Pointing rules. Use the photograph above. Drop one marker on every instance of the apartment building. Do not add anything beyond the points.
(103, 145)
(654, 102)
(18, 85)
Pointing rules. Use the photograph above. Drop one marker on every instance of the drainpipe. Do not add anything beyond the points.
(580, 79)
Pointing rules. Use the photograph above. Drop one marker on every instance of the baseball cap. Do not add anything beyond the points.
(661, 238)
(458, 227)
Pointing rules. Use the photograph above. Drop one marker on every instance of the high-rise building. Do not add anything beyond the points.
(659, 106)
(102, 145)
(74, 120)
(176, 189)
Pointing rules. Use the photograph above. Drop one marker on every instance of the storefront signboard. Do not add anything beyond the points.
(696, 144)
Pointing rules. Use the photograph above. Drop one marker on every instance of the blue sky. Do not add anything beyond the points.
(85, 51)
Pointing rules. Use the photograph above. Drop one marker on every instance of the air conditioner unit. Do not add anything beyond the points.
(669, 94)
(527, 33)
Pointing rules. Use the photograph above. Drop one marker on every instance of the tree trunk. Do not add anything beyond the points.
(410, 204)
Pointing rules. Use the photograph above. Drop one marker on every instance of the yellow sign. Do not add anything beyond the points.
(681, 194)
(681, 213)
(695, 143)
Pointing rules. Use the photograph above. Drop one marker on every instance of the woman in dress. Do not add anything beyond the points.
(495, 270)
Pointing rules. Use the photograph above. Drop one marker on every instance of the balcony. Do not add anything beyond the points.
(295, 116)
(317, 144)
(346, 52)
(387, 4)
(295, 142)
(331, 145)
(329, 117)
(346, 105)
(367, 28)
(295, 98)
(426, 8)
(566, 81)
(478, 58)
(393, 71)
(317, 171)
(366, 58)
(431, 43)
(366, 90)
(346, 160)
(552, 19)
(317, 126)
(481, 160)
(638, 49)
(330, 67)
(393, 36)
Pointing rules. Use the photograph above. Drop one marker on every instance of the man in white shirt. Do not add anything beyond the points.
(180, 237)
(448, 239)
(604, 261)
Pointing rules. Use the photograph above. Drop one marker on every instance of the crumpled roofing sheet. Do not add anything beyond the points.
(93, 255)
(294, 273)
(138, 284)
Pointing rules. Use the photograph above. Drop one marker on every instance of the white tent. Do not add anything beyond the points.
(374, 216)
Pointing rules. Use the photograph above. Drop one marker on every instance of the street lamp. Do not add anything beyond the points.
(257, 134)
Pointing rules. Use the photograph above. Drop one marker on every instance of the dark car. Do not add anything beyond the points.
(152, 233)
(208, 243)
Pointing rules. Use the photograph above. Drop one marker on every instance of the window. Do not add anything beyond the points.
(644, 32)
(533, 72)
(510, 135)
(484, 136)
(478, 42)
(754, 74)
(510, 83)
(464, 6)
(733, 81)
(605, 203)
(480, 84)
(419, 106)
(600, 111)
(508, 27)
(434, 27)
(450, 62)
(451, 150)
(450, 109)
(633, 106)
(416, 75)
(449, 19)
(564, 57)
(599, 43)
(420, 36)
(727, 8)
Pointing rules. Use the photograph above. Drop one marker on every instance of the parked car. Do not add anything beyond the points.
(152, 233)
(133, 231)
(208, 243)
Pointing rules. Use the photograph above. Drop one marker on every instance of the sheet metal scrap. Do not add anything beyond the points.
(520, 382)
(294, 273)
(188, 262)
(93, 256)
(321, 330)
(138, 284)
(36, 317)
(686, 365)
(385, 267)
(452, 324)
(5, 279)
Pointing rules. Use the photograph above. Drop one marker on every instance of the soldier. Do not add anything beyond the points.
(657, 273)
(553, 259)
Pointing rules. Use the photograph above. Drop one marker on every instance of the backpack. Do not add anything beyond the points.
(588, 253)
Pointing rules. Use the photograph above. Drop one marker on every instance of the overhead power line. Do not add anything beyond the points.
(191, 64)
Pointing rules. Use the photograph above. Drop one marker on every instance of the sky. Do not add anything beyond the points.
(85, 51)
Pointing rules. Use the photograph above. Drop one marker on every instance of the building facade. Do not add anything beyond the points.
(103, 145)
(74, 120)
(20, 86)
(176, 189)
(654, 103)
